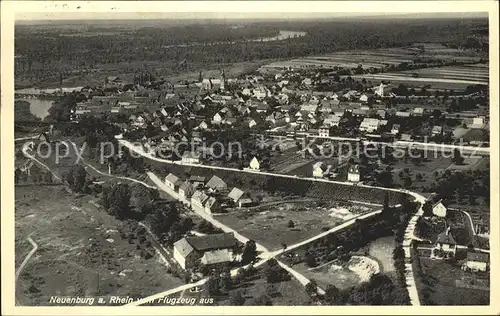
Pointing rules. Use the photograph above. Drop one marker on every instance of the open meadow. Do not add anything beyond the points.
(81, 251)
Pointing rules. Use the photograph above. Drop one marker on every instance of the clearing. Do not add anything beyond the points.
(80, 250)
(268, 225)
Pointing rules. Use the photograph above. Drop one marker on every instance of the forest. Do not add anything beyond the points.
(42, 52)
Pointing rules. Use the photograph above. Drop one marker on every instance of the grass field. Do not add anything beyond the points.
(80, 251)
(440, 279)
(268, 225)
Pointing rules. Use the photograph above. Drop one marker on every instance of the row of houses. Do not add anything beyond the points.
(208, 196)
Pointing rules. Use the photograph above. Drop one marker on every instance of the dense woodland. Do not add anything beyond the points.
(44, 52)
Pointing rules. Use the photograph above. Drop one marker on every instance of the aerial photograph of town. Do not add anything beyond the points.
(267, 161)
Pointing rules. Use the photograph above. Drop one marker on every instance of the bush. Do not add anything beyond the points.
(290, 224)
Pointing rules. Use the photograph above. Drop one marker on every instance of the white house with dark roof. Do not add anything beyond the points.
(353, 174)
(477, 261)
(254, 164)
(438, 209)
(207, 250)
(198, 199)
(446, 246)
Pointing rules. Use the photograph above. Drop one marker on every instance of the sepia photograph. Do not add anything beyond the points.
(224, 155)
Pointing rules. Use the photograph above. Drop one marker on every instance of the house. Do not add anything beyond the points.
(320, 169)
(369, 125)
(418, 111)
(436, 130)
(324, 131)
(190, 157)
(235, 194)
(199, 198)
(395, 129)
(245, 202)
(311, 108)
(403, 114)
(172, 181)
(477, 123)
(251, 123)
(186, 190)
(254, 164)
(217, 184)
(363, 98)
(307, 81)
(211, 205)
(203, 125)
(406, 137)
(445, 247)
(477, 261)
(332, 120)
(197, 181)
(438, 209)
(353, 174)
(381, 113)
(217, 119)
(208, 249)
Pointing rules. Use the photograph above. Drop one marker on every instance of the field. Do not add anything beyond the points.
(342, 278)
(268, 225)
(445, 285)
(378, 58)
(80, 250)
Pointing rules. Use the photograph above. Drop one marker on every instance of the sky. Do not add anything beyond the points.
(125, 10)
(36, 16)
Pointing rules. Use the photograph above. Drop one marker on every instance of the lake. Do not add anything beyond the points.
(46, 91)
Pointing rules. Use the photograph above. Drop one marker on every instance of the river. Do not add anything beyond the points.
(281, 36)
(39, 108)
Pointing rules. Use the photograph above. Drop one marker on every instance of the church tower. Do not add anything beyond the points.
(222, 80)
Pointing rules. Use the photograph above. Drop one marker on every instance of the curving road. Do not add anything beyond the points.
(409, 232)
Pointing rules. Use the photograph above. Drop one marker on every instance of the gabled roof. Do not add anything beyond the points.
(183, 247)
(197, 179)
(210, 202)
(186, 185)
(200, 196)
(217, 256)
(478, 257)
(216, 183)
(212, 241)
(235, 194)
(172, 178)
(446, 238)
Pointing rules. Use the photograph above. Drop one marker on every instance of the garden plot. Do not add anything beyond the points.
(290, 222)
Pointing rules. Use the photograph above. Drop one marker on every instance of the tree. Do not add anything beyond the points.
(419, 177)
(290, 224)
(261, 300)
(310, 259)
(386, 201)
(457, 157)
(237, 298)
(427, 208)
(408, 182)
(225, 281)
(332, 294)
(76, 179)
(312, 288)
(249, 252)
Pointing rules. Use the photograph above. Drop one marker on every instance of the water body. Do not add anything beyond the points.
(46, 91)
(283, 35)
(39, 108)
